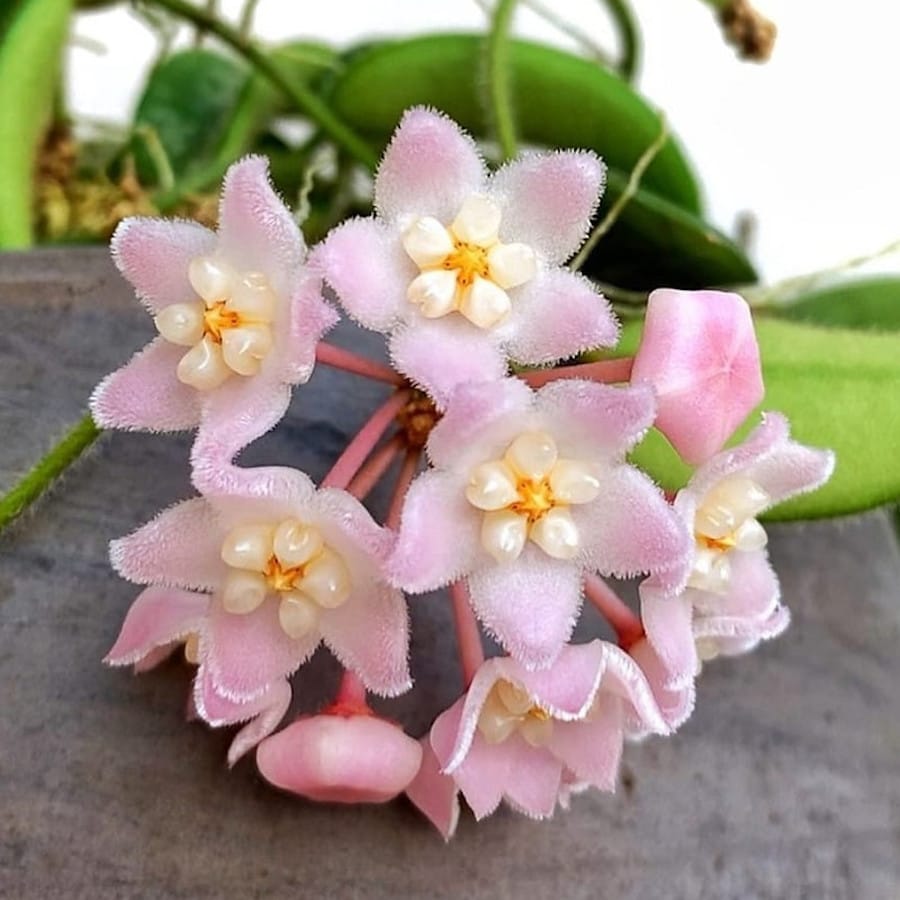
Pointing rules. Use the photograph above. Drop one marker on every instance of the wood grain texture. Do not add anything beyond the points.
(785, 783)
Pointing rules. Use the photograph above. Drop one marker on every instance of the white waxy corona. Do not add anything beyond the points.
(228, 330)
(290, 561)
(509, 710)
(724, 523)
(464, 267)
(526, 495)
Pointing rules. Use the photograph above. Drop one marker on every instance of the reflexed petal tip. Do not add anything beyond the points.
(699, 351)
(354, 759)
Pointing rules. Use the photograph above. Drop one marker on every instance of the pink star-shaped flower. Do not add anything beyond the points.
(534, 738)
(260, 579)
(528, 491)
(464, 270)
(732, 597)
(699, 352)
(239, 317)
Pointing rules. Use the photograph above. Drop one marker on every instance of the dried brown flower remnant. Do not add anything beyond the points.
(751, 33)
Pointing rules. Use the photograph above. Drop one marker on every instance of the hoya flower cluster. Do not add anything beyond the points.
(523, 505)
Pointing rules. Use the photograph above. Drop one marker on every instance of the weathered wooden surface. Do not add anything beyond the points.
(785, 784)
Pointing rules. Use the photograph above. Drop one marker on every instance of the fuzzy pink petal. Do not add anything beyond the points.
(247, 653)
(592, 749)
(365, 264)
(439, 537)
(753, 591)
(438, 355)
(355, 759)
(549, 199)
(234, 415)
(262, 494)
(145, 394)
(699, 351)
(154, 657)
(668, 624)
(558, 315)
(596, 421)
(674, 704)
(347, 523)
(630, 529)
(736, 636)
(308, 317)
(434, 794)
(180, 548)
(534, 779)
(429, 168)
(159, 617)
(369, 634)
(480, 421)
(529, 605)
(256, 230)
(154, 255)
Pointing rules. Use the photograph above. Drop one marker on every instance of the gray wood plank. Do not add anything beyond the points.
(785, 783)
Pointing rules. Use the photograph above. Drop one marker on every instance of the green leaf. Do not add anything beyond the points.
(560, 100)
(187, 104)
(840, 389)
(32, 39)
(869, 303)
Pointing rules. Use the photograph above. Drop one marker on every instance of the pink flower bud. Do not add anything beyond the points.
(699, 352)
(341, 759)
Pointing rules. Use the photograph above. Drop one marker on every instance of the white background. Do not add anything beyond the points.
(808, 142)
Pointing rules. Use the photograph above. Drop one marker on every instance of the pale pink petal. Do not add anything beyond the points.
(263, 713)
(596, 421)
(337, 759)
(530, 605)
(234, 415)
(365, 264)
(753, 591)
(668, 624)
(307, 319)
(369, 634)
(262, 494)
(674, 704)
(348, 525)
(736, 636)
(481, 420)
(630, 529)
(429, 168)
(180, 548)
(247, 653)
(145, 394)
(439, 537)
(533, 779)
(154, 255)
(592, 749)
(434, 794)
(549, 199)
(438, 355)
(257, 232)
(155, 657)
(158, 618)
(557, 315)
(699, 351)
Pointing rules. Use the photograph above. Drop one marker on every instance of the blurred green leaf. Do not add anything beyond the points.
(32, 39)
(840, 389)
(560, 100)
(868, 303)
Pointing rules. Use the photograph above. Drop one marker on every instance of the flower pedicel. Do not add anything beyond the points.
(526, 504)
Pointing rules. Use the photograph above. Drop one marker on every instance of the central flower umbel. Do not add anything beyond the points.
(526, 495)
(509, 709)
(723, 523)
(465, 268)
(229, 330)
(291, 560)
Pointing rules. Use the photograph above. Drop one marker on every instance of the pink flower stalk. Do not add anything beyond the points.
(276, 570)
(699, 352)
(529, 491)
(534, 738)
(238, 314)
(336, 758)
(732, 598)
(163, 619)
(464, 270)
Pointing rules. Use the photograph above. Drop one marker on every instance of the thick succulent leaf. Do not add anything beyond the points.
(871, 303)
